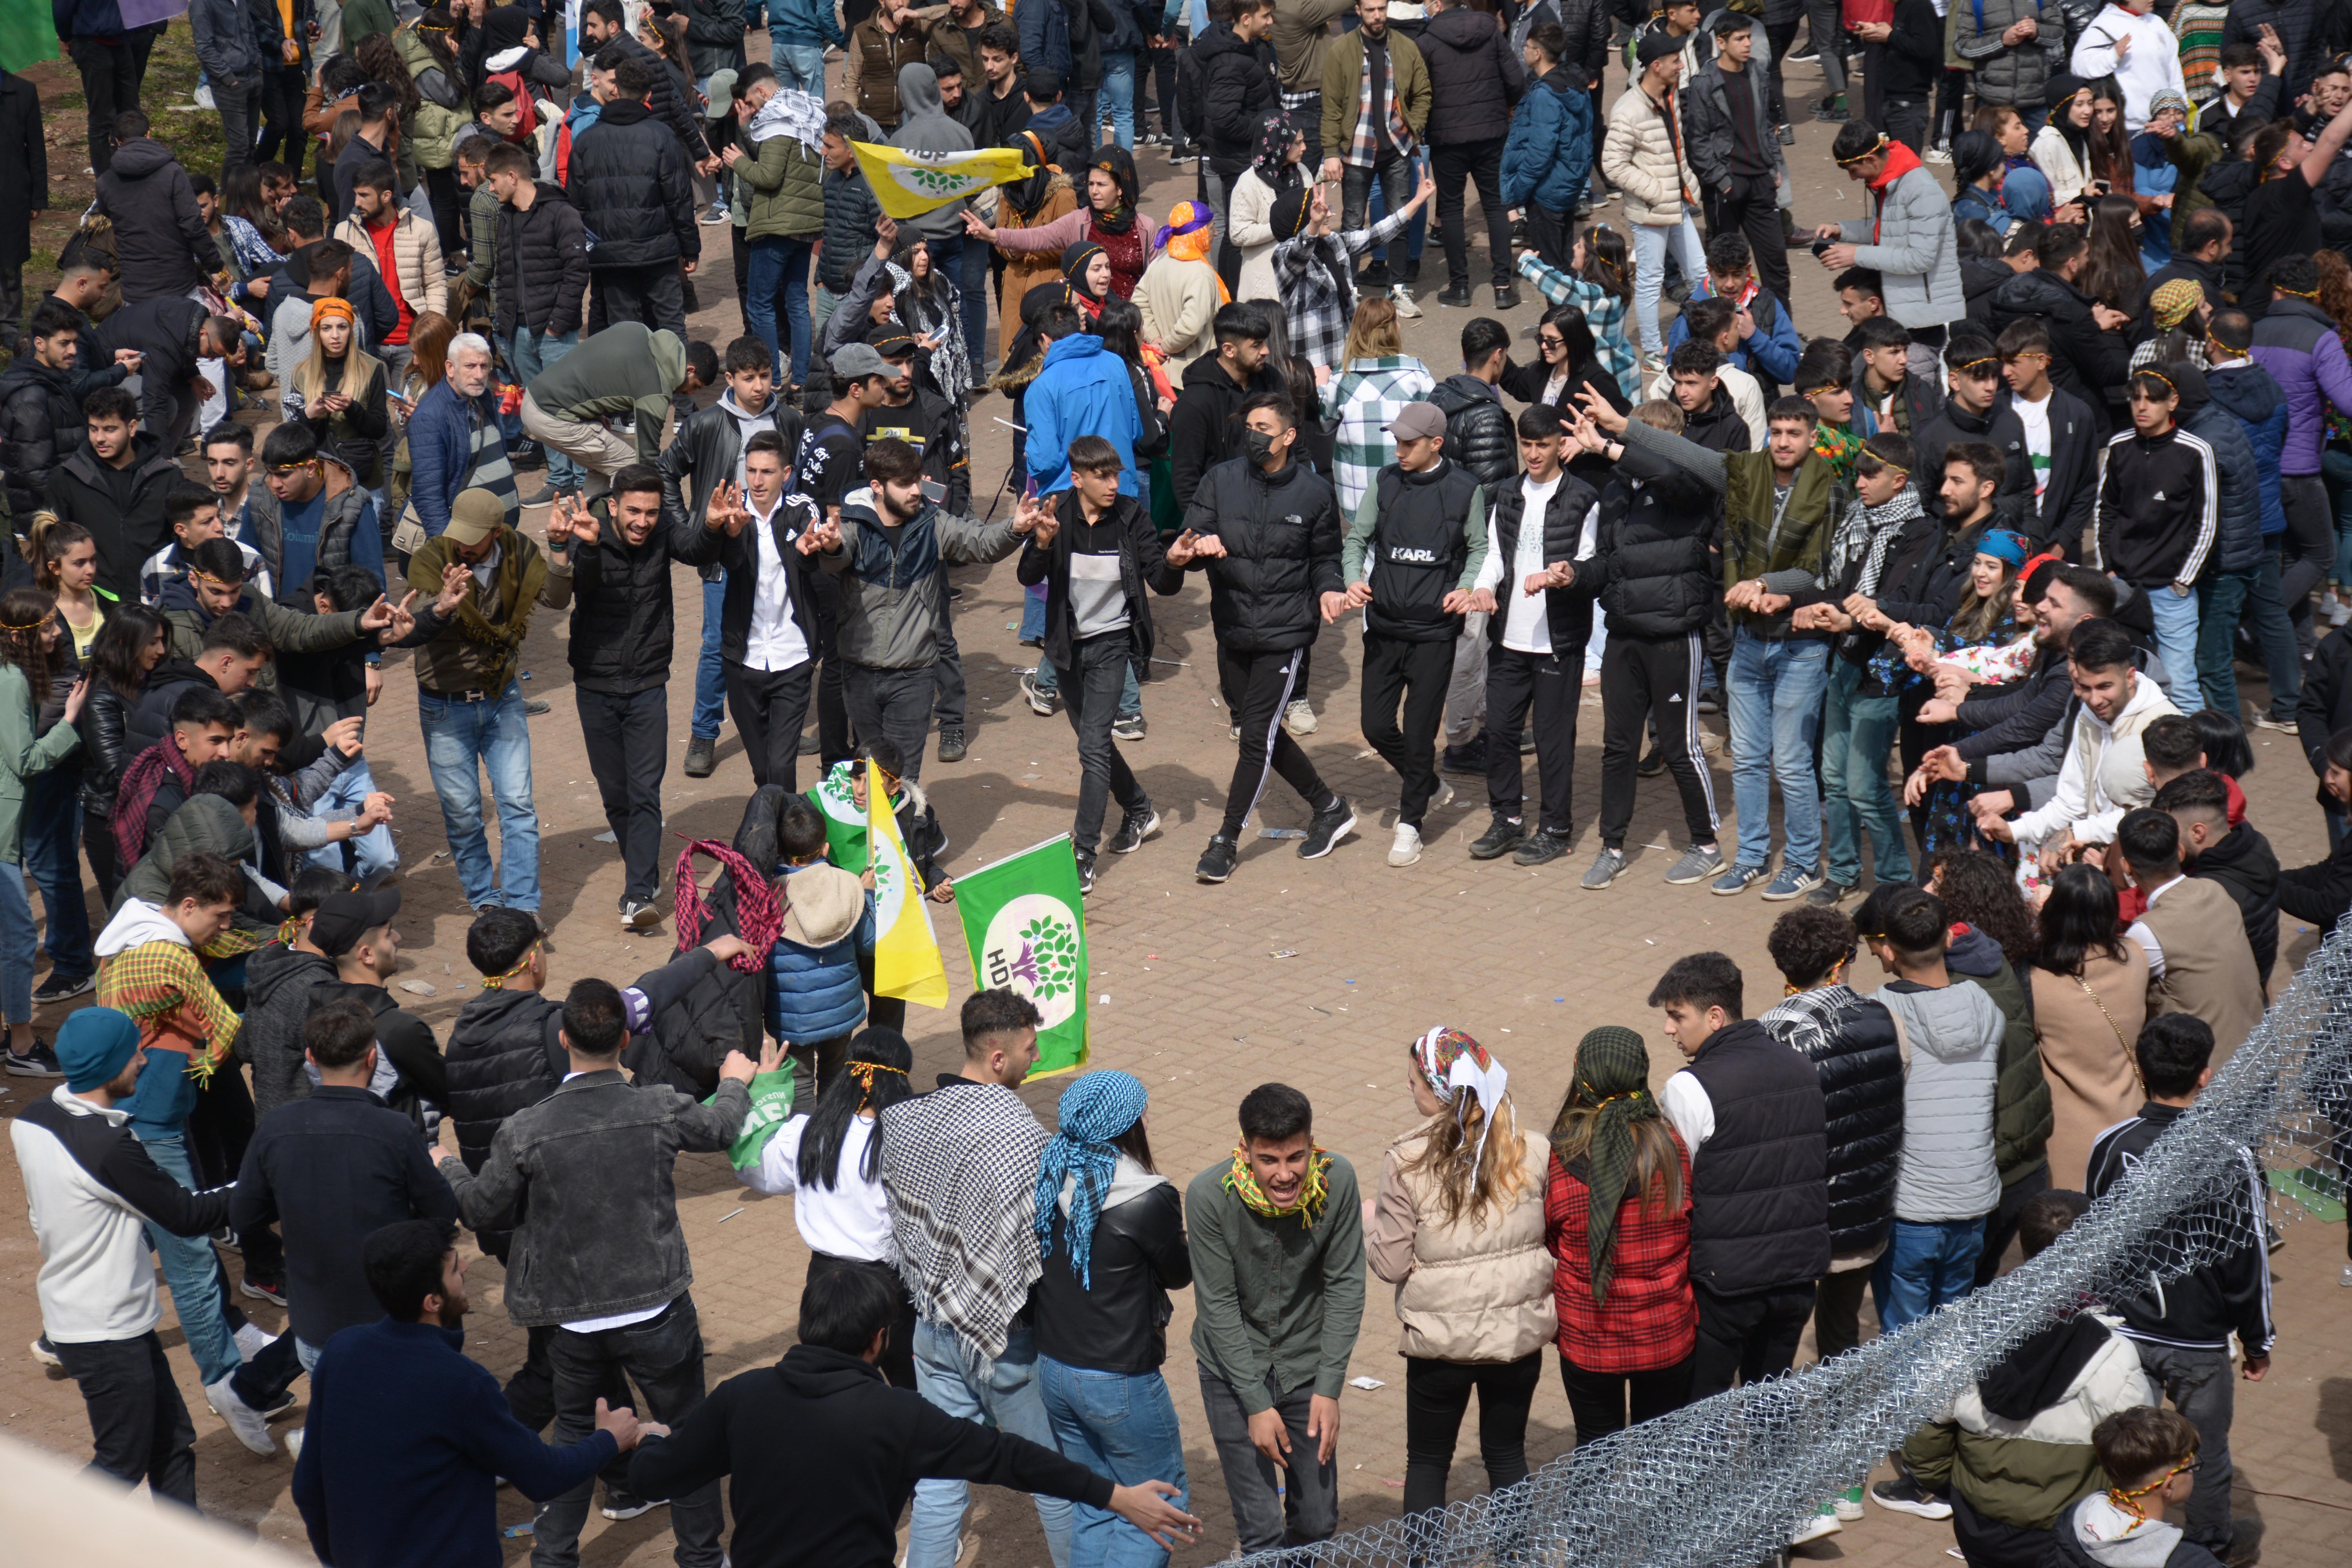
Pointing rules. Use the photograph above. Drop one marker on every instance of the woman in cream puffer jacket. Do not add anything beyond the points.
(1644, 160)
(1457, 1226)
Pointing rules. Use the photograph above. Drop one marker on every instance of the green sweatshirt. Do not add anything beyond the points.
(1276, 1295)
(625, 369)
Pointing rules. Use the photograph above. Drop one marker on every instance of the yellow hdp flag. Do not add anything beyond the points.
(909, 184)
(906, 953)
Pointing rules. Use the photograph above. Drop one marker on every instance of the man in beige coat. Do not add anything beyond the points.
(1644, 157)
(406, 250)
(2199, 959)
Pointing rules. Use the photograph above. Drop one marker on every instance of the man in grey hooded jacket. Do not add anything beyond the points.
(1908, 241)
(1950, 1031)
(926, 126)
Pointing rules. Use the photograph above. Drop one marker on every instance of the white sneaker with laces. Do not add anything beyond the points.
(1299, 719)
(1402, 298)
(1407, 847)
(253, 1339)
(246, 1423)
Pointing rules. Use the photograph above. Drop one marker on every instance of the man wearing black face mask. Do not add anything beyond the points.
(1267, 532)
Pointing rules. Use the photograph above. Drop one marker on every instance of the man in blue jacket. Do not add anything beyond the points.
(407, 1436)
(1549, 155)
(1084, 390)
(2252, 397)
(1767, 347)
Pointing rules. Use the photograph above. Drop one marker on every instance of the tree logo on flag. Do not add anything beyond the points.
(1031, 947)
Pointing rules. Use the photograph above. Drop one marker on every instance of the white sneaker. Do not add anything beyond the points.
(294, 1444)
(2338, 613)
(1299, 719)
(46, 1353)
(1442, 798)
(243, 1419)
(1822, 1523)
(1407, 847)
(1402, 298)
(253, 1339)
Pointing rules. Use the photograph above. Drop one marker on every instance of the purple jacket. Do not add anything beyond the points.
(2295, 341)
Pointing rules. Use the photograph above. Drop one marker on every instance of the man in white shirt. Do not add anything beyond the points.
(2105, 774)
(1538, 527)
(768, 621)
(2128, 42)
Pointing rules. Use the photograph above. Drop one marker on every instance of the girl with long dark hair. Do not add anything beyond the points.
(829, 1158)
(2062, 148)
(2090, 998)
(31, 632)
(2112, 273)
(1128, 236)
(128, 647)
(64, 556)
(1600, 283)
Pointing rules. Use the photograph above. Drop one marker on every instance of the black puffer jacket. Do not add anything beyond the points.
(850, 210)
(505, 1055)
(127, 533)
(2302, 26)
(1475, 77)
(1281, 534)
(1650, 566)
(623, 625)
(542, 264)
(1980, 278)
(1479, 433)
(1568, 611)
(1852, 1043)
(634, 190)
(2085, 361)
(1138, 1253)
(1238, 93)
(2247, 868)
(1587, 25)
(40, 422)
(668, 106)
(160, 242)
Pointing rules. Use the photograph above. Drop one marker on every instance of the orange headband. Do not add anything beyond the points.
(332, 307)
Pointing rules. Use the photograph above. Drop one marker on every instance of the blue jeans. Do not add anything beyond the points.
(378, 857)
(798, 65)
(1776, 710)
(16, 946)
(460, 740)
(1651, 242)
(1131, 697)
(2175, 644)
(779, 267)
(2223, 600)
(1856, 734)
(1926, 1263)
(1032, 612)
(1119, 97)
(1007, 1398)
(534, 352)
(709, 679)
(1118, 1424)
(190, 1267)
(951, 258)
(52, 848)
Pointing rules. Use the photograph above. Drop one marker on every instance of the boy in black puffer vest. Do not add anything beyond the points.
(1655, 576)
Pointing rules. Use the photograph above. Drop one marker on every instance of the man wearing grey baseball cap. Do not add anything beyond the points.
(486, 576)
(1423, 524)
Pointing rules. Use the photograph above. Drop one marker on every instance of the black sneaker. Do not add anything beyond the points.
(951, 746)
(1505, 297)
(1499, 839)
(1326, 828)
(1134, 828)
(1458, 297)
(1904, 1495)
(1086, 858)
(809, 744)
(1652, 764)
(1217, 859)
(62, 988)
(38, 1062)
(270, 1291)
(1539, 846)
(1470, 757)
(701, 756)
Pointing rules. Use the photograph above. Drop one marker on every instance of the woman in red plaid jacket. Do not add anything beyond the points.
(1617, 1218)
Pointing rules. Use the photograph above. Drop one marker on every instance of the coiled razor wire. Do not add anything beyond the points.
(1722, 1483)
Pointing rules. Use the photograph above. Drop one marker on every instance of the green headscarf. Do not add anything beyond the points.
(1612, 1079)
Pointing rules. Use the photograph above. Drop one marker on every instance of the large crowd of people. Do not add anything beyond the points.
(1967, 578)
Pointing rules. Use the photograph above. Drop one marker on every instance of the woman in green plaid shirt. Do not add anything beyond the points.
(1378, 379)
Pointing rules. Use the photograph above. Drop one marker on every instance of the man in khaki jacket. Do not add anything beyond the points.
(1643, 157)
(1301, 38)
(2199, 959)
(406, 250)
(1356, 153)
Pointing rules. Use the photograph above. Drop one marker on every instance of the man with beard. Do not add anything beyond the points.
(928, 422)
(407, 1437)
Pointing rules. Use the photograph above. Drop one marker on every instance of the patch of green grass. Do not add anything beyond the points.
(193, 135)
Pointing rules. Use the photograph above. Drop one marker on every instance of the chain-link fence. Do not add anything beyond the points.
(1722, 1483)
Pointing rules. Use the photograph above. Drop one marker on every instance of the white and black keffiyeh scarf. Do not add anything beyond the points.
(961, 1167)
(1811, 1022)
(1867, 535)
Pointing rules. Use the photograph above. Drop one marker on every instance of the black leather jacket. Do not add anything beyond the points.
(1122, 1323)
(106, 750)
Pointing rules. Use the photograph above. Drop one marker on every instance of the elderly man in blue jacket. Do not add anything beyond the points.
(1547, 157)
(454, 445)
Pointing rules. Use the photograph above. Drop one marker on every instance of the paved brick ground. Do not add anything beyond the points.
(1188, 992)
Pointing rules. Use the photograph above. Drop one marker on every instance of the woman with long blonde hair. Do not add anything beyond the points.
(1457, 1226)
(1376, 378)
(339, 392)
(1617, 1217)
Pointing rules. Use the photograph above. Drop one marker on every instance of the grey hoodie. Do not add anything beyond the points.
(924, 127)
(1954, 1037)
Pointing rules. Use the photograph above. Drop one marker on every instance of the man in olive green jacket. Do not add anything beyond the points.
(1403, 95)
(215, 586)
(779, 167)
(626, 369)
(1278, 1243)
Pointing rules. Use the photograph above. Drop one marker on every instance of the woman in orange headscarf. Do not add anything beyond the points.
(1180, 292)
(1038, 198)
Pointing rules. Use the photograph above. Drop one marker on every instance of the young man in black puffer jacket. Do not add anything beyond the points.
(634, 189)
(1479, 432)
(1267, 532)
(1237, 91)
(1655, 578)
(1475, 79)
(1852, 1043)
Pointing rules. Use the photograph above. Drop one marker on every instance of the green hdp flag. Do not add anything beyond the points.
(1025, 923)
(26, 37)
(844, 819)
